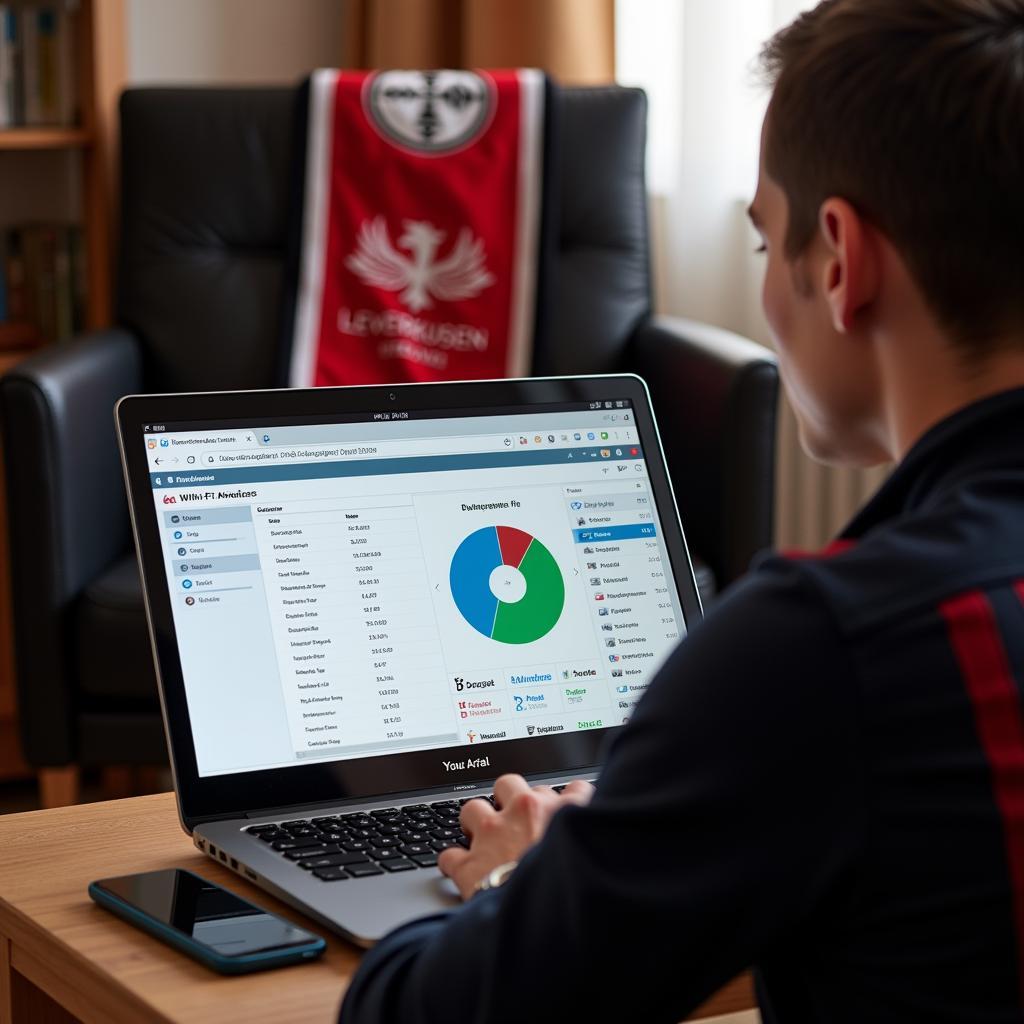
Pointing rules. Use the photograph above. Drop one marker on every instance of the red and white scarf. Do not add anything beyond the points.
(421, 226)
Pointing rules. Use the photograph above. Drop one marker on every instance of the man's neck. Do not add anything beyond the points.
(929, 380)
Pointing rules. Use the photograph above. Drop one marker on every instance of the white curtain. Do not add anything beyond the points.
(697, 61)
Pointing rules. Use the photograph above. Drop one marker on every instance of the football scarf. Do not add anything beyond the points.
(417, 252)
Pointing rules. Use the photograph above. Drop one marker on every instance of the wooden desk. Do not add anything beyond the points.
(62, 958)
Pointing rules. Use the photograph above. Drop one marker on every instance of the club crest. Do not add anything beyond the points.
(430, 112)
(420, 277)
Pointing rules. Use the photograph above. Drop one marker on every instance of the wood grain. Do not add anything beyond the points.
(59, 787)
(44, 138)
(104, 970)
(102, 62)
(6, 1010)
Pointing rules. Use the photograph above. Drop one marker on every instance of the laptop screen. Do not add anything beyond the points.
(384, 583)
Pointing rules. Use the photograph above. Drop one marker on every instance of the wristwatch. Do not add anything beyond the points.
(496, 877)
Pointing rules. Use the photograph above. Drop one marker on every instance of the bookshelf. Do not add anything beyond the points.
(89, 150)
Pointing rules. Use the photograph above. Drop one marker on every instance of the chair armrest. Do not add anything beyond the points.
(715, 396)
(67, 515)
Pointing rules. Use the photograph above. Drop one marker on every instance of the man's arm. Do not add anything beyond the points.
(729, 807)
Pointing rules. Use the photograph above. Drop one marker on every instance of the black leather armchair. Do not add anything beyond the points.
(203, 220)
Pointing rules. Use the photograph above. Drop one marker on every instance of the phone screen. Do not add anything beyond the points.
(206, 913)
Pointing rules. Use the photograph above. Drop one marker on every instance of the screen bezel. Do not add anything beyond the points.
(228, 796)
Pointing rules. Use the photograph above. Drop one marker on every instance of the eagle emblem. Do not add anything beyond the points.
(420, 277)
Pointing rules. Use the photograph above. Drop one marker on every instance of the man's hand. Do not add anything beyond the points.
(499, 836)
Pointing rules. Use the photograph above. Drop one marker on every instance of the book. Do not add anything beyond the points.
(40, 65)
(64, 325)
(49, 84)
(47, 100)
(79, 277)
(39, 249)
(67, 67)
(14, 268)
(46, 282)
(4, 314)
(10, 71)
(31, 96)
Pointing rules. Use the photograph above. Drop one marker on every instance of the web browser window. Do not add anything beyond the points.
(361, 588)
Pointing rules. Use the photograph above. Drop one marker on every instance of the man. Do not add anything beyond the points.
(826, 781)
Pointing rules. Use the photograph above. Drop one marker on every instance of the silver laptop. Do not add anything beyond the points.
(367, 603)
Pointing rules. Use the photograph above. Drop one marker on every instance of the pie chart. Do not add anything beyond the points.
(507, 585)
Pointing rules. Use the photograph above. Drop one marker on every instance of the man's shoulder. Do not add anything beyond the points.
(904, 566)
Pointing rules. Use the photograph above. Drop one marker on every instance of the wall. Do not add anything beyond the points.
(697, 60)
(230, 41)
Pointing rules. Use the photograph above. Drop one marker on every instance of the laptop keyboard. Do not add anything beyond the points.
(389, 839)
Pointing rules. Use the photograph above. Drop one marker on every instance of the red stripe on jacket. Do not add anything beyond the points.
(836, 547)
(978, 647)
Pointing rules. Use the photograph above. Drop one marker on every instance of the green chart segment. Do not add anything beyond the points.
(507, 585)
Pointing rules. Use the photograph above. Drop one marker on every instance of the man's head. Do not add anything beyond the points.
(891, 200)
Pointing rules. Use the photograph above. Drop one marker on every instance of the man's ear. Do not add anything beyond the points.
(851, 262)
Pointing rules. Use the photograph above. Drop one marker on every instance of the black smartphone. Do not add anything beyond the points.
(209, 923)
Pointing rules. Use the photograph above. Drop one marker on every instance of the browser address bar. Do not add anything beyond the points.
(342, 452)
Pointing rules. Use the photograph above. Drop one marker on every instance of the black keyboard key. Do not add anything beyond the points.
(383, 854)
(334, 860)
(558, 789)
(423, 815)
(357, 820)
(317, 862)
(385, 812)
(426, 860)
(362, 870)
(445, 833)
(442, 844)
(259, 829)
(385, 842)
(444, 803)
(310, 851)
(414, 849)
(363, 833)
(298, 823)
(398, 865)
(330, 874)
(333, 820)
(355, 844)
(295, 844)
(414, 837)
(414, 807)
(389, 830)
(305, 832)
(270, 837)
(333, 836)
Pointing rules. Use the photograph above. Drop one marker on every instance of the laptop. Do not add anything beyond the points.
(367, 603)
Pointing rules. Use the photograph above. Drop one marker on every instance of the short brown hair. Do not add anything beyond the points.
(913, 111)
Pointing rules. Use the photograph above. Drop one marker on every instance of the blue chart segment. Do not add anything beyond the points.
(507, 585)
(470, 575)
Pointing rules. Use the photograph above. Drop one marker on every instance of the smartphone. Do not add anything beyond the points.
(216, 927)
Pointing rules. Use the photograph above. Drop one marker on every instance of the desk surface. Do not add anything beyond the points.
(54, 940)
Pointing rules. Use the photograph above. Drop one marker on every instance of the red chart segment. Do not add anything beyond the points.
(513, 544)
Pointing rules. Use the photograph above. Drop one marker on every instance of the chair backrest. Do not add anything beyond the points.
(205, 176)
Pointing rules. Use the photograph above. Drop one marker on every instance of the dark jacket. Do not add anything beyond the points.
(825, 782)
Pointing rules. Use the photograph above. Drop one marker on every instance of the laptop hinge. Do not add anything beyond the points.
(433, 792)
